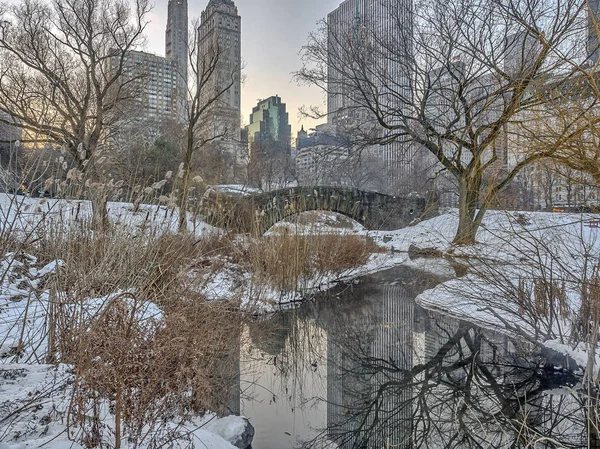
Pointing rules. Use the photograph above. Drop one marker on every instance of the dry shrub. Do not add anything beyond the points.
(147, 370)
(589, 311)
(285, 260)
(550, 298)
(214, 244)
(97, 264)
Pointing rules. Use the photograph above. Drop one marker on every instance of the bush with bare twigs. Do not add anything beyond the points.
(142, 369)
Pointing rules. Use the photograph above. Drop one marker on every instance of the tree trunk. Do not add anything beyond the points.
(98, 195)
(468, 198)
(187, 164)
(100, 220)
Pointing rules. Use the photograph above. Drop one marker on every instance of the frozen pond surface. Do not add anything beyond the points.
(366, 367)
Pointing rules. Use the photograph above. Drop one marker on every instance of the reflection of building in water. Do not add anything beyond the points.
(436, 334)
(371, 394)
(347, 385)
(385, 340)
(393, 344)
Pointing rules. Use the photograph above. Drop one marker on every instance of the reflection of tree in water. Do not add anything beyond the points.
(401, 377)
(270, 335)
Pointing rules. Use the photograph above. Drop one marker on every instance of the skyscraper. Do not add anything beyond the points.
(269, 121)
(220, 32)
(522, 50)
(384, 23)
(176, 36)
(269, 140)
(155, 89)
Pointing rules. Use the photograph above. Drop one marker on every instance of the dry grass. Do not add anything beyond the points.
(283, 261)
(156, 267)
(150, 369)
(140, 372)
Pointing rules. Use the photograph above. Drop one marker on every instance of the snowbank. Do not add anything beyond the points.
(232, 189)
(514, 251)
(34, 399)
(39, 214)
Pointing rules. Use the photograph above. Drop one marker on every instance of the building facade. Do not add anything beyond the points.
(447, 87)
(269, 144)
(326, 157)
(219, 34)
(522, 50)
(269, 121)
(381, 22)
(176, 38)
(159, 84)
(153, 84)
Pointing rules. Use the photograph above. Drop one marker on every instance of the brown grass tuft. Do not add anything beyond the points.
(148, 369)
(283, 261)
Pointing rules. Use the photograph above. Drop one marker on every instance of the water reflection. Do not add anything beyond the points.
(374, 370)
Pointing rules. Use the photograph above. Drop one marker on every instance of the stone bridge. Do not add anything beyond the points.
(245, 211)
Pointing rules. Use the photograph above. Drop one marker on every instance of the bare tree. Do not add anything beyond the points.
(209, 80)
(567, 126)
(62, 64)
(270, 164)
(448, 80)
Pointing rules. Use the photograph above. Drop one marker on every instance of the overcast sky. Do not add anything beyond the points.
(273, 32)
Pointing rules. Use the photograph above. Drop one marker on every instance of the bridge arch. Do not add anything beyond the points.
(257, 212)
(292, 216)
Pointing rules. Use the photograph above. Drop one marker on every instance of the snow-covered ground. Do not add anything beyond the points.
(232, 189)
(33, 403)
(39, 214)
(514, 251)
(520, 258)
(34, 396)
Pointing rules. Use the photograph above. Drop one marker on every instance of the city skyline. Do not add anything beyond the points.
(279, 52)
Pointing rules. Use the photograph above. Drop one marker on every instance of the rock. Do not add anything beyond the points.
(244, 441)
(415, 252)
(235, 429)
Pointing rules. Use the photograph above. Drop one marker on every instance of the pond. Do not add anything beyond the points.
(364, 366)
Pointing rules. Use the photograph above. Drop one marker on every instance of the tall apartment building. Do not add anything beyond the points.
(446, 87)
(269, 121)
(153, 82)
(220, 31)
(363, 19)
(158, 83)
(176, 37)
(522, 50)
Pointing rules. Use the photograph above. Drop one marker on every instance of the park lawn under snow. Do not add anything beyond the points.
(39, 214)
(513, 249)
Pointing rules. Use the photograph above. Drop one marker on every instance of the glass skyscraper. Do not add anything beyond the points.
(387, 26)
